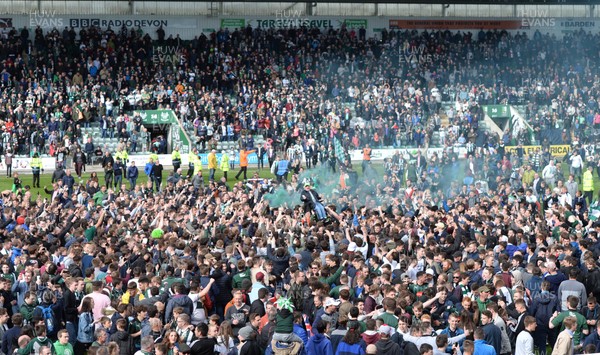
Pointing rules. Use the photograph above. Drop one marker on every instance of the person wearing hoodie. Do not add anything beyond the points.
(371, 336)
(299, 329)
(121, 337)
(62, 345)
(544, 305)
(385, 345)
(41, 340)
(319, 344)
(179, 300)
(339, 333)
(352, 343)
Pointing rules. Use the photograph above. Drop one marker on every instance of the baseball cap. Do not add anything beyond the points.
(386, 329)
(484, 288)
(260, 276)
(331, 302)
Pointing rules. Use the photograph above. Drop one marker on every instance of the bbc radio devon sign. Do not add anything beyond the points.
(105, 23)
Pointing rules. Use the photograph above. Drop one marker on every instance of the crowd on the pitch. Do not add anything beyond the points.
(430, 254)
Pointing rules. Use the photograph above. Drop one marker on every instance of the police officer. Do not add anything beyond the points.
(36, 167)
(176, 159)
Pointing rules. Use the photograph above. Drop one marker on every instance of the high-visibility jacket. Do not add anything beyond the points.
(123, 155)
(176, 157)
(225, 162)
(36, 165)
(244, 157)
(212, 161)
(588, 181)
(194, 160)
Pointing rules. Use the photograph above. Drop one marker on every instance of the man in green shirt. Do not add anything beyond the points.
(100, 196)
(28, 306)
(558, 318)
(419, 285)
(388, 317)
(90, 232)
(243, 274)
(62, 345)
(483, 300)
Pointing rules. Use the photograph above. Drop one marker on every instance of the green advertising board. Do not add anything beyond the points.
(356, 23)
(233, 23)
(157, 117)
(497, 111)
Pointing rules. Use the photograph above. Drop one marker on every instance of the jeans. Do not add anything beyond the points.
(72, 330)
(132, 183)
(118, 181)
(320, 210)
(211, 174)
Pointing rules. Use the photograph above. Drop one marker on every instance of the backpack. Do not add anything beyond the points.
(48, 315)
(75, 270)
(207, 302)
(292, 348)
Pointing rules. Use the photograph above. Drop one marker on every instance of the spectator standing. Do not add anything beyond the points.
(132, 175)
(524, 344)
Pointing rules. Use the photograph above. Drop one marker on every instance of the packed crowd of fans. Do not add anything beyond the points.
(496, 255)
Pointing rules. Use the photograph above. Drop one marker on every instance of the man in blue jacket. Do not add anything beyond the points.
(593, 338)
(132, 174)
(319, 344)
(481, 347)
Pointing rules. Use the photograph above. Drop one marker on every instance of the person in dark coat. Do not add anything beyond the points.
(12, 335)
(312, 201)
(248, 342)
(281, 258)
(492, 334)
(544, 305)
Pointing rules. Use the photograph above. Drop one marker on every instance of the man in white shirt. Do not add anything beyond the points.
(576, 165)
(524, 343)
(549, 173)
(565, 198)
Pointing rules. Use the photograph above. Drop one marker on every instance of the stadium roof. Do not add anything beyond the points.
(466, 2)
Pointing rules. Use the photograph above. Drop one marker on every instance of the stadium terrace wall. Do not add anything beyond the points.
(189, 27)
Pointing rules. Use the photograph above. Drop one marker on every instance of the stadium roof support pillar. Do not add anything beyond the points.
(375, 9)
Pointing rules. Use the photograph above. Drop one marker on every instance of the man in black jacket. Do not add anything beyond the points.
(70, 304)
(80, 160)
(157, 170)
(118, 171)
(312, 201)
